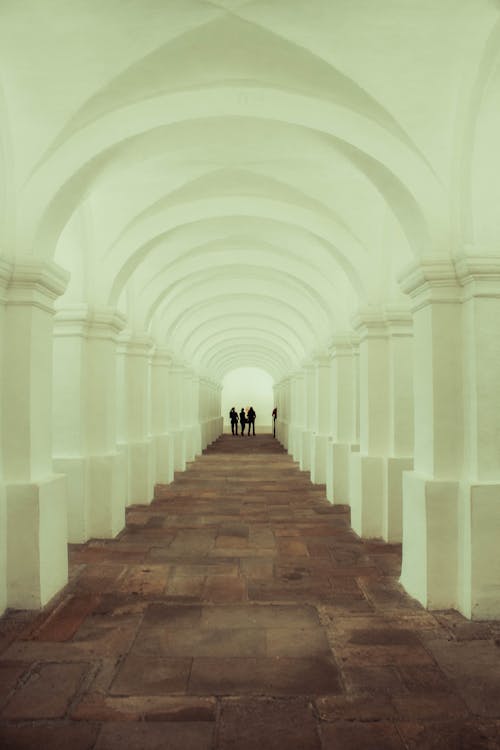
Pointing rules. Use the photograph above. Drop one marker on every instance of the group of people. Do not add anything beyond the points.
(243, 418)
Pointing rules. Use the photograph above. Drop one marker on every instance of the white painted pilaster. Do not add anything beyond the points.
(35, 510)
(134, 409)
(344, 408)
(321, 418)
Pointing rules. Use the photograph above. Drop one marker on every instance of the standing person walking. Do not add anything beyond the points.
(243, 420)
(251, 420)
(233, 416)
(275, 417)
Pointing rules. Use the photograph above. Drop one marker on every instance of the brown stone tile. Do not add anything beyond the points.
(207, 567)
(259, 616)
(47, 693)
(308, 642)
(53, 736)
(156, 736)
(147, 581)
(62, 622)
(195, 642)
(267, 724)
(450, 735)
(374, 680)
(148, 675)
(263, 676)
(233, 542)
(99, 579)
(473, 667)
(172, 616)
(223, 589)
(97, 707)
(10, 673)
(357, 656)
(421, 706)
(292, 547)
(361, 735)
(370, 706)
(255, 567)
(185, 588)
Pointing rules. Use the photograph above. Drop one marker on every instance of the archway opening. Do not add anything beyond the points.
(245, 387)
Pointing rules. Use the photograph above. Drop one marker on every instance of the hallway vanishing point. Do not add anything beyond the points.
(239, 610)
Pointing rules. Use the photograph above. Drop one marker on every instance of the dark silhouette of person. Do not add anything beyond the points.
(251, 420)
(233, 416)
(275, 417)
(243, 420)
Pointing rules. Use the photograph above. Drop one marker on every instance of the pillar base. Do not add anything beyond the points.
(107, 492)
(163, 448)
(319, 445)
(3, 549)
(179, 450)
(429, 567)
(337, 472)
(37, 539)
(141, 483)
(77, 478)
(479, 551)
(305, 450)
(392, 522)
(366, 490)
(196, 439)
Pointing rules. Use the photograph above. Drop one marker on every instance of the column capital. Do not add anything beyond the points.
(161, 357)
(5, 274)
(430, 281)
(399, 322)
(105, 323)
(134, 344)
(33, 282)
(321, 360)
(479, 276)
(370, 323)
(343, 345)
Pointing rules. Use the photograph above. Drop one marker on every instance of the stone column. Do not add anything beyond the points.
(107, 468)
(85, 420)
(35, 510)
(175, 414)
(367, 466)
(135, 443)
(298, 414)
(5, 273)
(344, 414)
(196, 414)
(479, 491)
(308, 412)
(321, 418)
(451, 511)
(430, 492)
(401, 422)
(70, 449)
(159, 403)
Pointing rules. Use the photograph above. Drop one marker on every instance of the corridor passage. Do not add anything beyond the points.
(239, 611)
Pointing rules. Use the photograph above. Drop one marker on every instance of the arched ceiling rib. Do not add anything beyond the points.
(237, 175)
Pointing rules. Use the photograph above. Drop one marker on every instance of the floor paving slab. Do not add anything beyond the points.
(240, 610)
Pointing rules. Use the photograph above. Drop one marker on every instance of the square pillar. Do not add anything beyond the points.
(430, 492)
(344, 409)
(163, 469)
(34, 513)
(367, 468)
(321, 418)
(134, 409)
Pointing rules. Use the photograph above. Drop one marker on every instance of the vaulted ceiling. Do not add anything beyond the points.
(241, 176)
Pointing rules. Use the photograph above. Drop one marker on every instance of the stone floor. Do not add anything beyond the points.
(239, 611)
